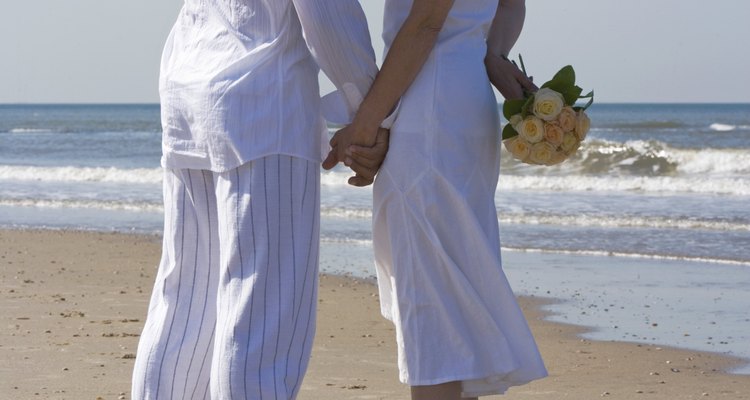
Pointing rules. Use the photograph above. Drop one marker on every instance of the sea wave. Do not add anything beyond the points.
(666, 185)
(29, 130)
(642, 158)
(348, 213)
(605, 253)
(580, 220)
(645, 125)
(597, 253)
(80, 174)
(504, 217)
(722, 127)
(622, 221)
(110, 205)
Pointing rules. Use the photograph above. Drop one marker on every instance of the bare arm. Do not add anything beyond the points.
(408, 53)
(506, 27)
(337, 36)
(504, 32)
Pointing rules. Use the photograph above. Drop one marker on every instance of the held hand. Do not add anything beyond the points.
(354, 134)
(366, 161)
(509, 80)
(349, 135)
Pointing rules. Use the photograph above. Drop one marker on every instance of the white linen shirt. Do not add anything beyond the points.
(238, 81)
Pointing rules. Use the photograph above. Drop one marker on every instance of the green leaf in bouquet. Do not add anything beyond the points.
(572, 94)
(590, 96)
(563, 80)
(513, 107)
(509, 132)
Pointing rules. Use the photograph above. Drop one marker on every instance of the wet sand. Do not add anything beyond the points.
(74, 303)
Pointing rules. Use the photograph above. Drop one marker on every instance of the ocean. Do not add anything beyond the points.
(662, 188)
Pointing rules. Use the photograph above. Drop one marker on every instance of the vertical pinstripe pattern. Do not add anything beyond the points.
(310, 274)
(226, 316)
(176, 341)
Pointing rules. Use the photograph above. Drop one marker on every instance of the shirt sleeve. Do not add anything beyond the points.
(337, 35)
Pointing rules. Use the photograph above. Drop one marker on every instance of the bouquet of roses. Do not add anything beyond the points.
(545, 128)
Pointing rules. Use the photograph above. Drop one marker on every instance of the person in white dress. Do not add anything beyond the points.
(232, 313)
(459, 329)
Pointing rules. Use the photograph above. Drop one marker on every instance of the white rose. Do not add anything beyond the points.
(531, 129)
(515, 120)
(548, 104)
(583, 124)
(541, 153)
(567, 119)
(518, 147)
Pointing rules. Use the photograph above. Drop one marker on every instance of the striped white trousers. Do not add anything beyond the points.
(232, 314)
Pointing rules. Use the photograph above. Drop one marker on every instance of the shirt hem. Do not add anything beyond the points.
(172, 161)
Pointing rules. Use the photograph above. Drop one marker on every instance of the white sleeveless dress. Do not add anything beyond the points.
(435, 228)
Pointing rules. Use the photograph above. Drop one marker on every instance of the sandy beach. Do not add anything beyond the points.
(74, 303)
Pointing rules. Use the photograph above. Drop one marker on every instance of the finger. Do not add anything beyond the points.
(363, 171)
(366, 155)
(527, 84)
(334, 140)
(341, 155)
(360, 181)
(331, 160)
(376, 153)
(512, 91)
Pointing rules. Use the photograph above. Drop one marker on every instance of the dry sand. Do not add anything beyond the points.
(73, 305)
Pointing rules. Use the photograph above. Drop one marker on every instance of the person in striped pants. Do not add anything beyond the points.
(232, 313)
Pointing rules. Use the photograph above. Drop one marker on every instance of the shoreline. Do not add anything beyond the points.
(75, 302)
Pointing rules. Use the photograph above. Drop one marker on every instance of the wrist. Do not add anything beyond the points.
(364, 130)
(366, 118)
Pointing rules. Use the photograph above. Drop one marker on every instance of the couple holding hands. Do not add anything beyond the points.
(232, 313)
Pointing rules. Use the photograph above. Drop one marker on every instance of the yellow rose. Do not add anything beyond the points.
(541, 153)
(567, 119)
(553, 134)
(518, 147)
(531, 129)
(569, 142)
(583, 124)
(557, 158)
(548, 104)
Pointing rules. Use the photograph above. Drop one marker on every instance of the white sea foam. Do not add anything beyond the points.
(348, 213)
(80, 174)
(722, 127)
(661, 184)
(622, 221)
(629, 255)
(30, 130)
(599, 253)
(137, 206)
(335, 178)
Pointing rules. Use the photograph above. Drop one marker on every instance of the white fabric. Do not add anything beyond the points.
(435, 228)
(238, 81)
(340, 106)
(232, 313)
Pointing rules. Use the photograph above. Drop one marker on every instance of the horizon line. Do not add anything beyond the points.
(127, 103)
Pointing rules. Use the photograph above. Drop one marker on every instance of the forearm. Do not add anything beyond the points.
(408, 53)
(506, 27)
(337, 36)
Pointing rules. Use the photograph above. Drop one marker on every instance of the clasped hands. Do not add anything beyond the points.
(361, 149)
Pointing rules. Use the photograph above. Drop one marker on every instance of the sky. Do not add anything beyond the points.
(105, 51)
